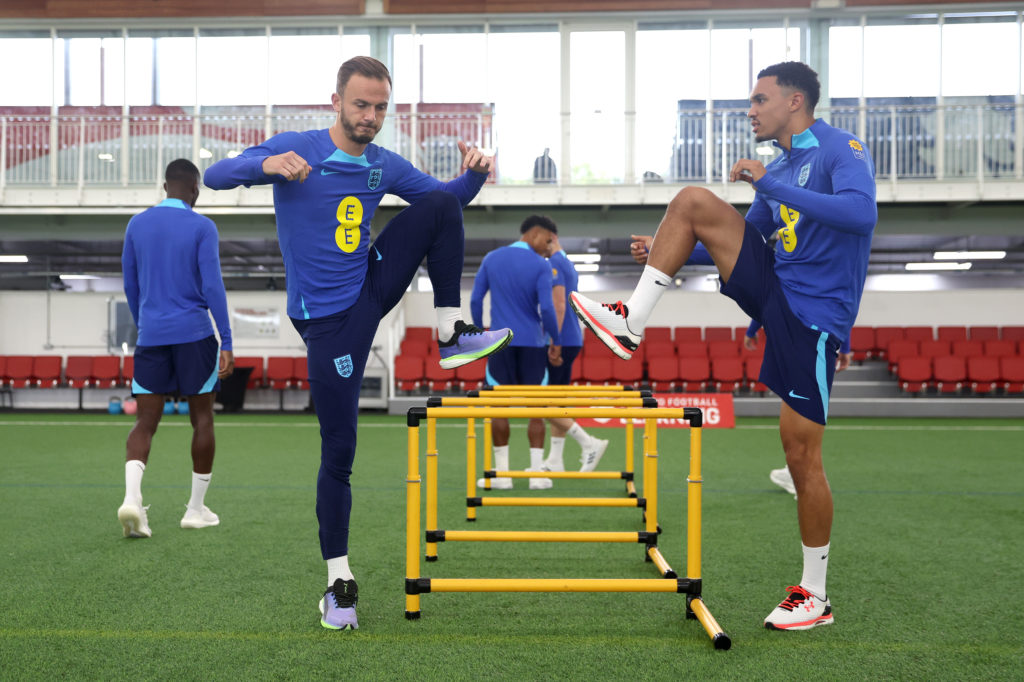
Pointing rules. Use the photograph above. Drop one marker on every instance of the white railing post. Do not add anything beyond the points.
(125, 148)
(196, 129)
(81, 155)
(3, 154)
(981, 147)
(709, 142)
(159, 149)
(892, 147)
(414, 136)
(53, 150)
(1018, 139)
(940, 142)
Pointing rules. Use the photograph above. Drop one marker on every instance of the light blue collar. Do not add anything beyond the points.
(805, 140)
(344, 157)
(174, 203)
(521, 245)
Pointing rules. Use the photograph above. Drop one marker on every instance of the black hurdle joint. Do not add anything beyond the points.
(646, 393)
(472, 394)
(414, 415)
(417, 585)
(649, 402)
(641, 502)
(670, 575)
(487, 388)
(430, 558)
(647, 538)
(474, 502)
(434, 401)
(627, 475)
(721, 641)
(489, 473)
(412, 615)
(694, 415)
(435, 536)
(690, 587)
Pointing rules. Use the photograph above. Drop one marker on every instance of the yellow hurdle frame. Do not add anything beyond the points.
(565, 397)
(691, 585)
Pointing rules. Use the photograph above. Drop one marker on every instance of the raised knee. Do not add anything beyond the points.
(690, 197)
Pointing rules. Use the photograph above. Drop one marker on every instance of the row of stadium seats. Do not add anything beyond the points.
(950, 374)
(873, 342)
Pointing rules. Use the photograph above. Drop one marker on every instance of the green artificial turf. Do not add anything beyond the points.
(924, 573)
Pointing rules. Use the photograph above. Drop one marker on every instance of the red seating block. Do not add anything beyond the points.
(280, 372)
(409, 372)
(414, 346)
(658, 334)
(918, 333)
(1012, 333)
(752, 372)
(78, 371)
(663, 374)
(966, 349)
(470, 376)
(723, 349)
(934, 349)
(950, 373)
(631, 372)
(597, 369)
(914, 373)
(718, 334)
(106, 371)
(983, 333)
(884, 336)
(300, 372)
(1000, 348)
(436, 378)
(683, 334)
(727, 373)
(983, 373)
(256, 363)
(19, 371)
(952, 333)
(899, 349)
(46, 371)
(1011, 373)
(694, 373)
(862, 343)
(128, 371)
(692, 349)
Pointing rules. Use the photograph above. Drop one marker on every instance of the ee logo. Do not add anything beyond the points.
(787, 234)
(350, 217)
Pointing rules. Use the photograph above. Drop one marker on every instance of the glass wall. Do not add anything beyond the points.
(30, 84)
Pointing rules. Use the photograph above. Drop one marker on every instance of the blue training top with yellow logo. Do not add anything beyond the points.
(323, 223)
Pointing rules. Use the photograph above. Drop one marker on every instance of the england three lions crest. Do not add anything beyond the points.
(373, 182)
(344, 365)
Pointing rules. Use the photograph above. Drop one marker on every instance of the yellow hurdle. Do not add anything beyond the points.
(691, 585)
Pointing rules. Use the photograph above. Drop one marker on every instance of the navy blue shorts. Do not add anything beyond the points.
(518, 365)
(799, 361)
(177, 369)
(562, 375)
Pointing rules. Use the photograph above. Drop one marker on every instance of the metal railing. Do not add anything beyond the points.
(923, 142)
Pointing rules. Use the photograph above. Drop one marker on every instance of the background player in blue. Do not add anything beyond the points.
(819, 196)
(520, 279)
(172, 281)
(565, 282)
(327, 185)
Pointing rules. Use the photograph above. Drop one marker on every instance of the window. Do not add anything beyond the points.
(597, 105)
(30, 83)
(233, 67)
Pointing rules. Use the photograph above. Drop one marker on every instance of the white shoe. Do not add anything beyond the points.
(552, 465)
(540, 483)
(592, 455)
(783, 479)
(496, 483)
(608, 321)
(199, 518)
(801, 610)
(133, 519)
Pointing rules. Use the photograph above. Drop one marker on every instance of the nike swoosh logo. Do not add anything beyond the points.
(794, 395)
(824, 557)
(327, 172)
(379, 257)
(660, 284)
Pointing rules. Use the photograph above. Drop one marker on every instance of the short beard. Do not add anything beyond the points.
(350, 132)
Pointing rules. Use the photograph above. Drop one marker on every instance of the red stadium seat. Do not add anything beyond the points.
(898, 350)
(1011, 373)
(950, 373)
(663, 374)
(692, 349)
(934, 349)
(918, 333)
(414, 346)
(19, 371)
(983, 333)
(631, 372)
(727, 373)
(1000, 348)
(106, 371)
(300, 372)
(862, 343)
(128, 371)
(3, 371)
(597, 369)
(576, 378)
(658, 334)
(1012, 334)
(409, 372)
(280, 371)
(78, 371)
(966, 349)
(681, 334)
(658, 349)
(952, 333)
(983, 374)
(694, 374)
(420, 333)
(723, 349)
(883, 337)
(256, 363)
(718, 334)
(914, 373)
(46, 371)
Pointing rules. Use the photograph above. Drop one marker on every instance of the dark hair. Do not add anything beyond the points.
(181, 171)
(538, 221)
(364, 66)
(798, 76)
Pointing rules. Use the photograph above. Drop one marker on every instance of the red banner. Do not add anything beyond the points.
(717, 408)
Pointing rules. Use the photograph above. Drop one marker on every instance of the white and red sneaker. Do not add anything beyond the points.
(801, 610)
(608, 321)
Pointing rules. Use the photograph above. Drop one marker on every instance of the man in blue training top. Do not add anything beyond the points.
(565, 283)
(327, 185)
(520, 279)
(172, 280)
(819, 195)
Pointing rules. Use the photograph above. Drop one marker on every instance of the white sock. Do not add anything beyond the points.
(200, 482)
(133, 470)
(579, 435)
(555, 461)
(536, 458)
(815, 568)
(653, 283)
(338, 568)
(446, 319)
(501, 458)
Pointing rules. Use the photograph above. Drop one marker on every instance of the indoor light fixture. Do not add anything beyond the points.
(969, 255)
(938, 266)
(585, 257)
(587, 267)
(13, 259)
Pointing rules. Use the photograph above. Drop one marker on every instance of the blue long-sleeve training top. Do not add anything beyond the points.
(172, 276)
(820, 198)
(567, 276)
(323, 223)
(520, 283)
